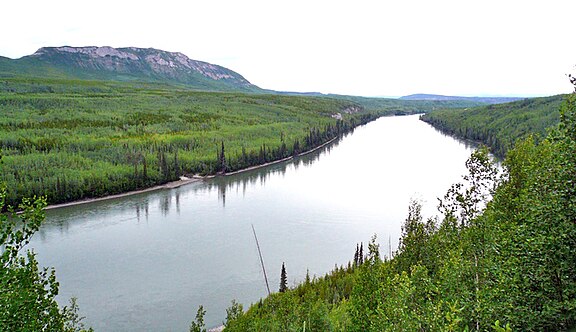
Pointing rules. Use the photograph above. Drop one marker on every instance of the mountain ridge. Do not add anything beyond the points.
(126, 64)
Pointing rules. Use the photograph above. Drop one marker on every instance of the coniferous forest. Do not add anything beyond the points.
(499, 126)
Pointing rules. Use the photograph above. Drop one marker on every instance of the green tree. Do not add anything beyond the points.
(234, 312)
(28, 292)
(198, 324)
(283, 279)
(222, 165)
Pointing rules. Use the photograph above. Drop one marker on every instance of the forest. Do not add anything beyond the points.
(75, 139)
(500, 258)
(499, 126)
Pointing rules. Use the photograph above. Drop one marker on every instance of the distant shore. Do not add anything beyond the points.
(169, 185)
(183, 181)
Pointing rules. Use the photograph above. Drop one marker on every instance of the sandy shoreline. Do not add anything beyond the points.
(169, 185)
(183, 181)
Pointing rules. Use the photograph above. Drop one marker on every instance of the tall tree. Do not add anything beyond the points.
(28, 292)
(222, 167)
(283, 280)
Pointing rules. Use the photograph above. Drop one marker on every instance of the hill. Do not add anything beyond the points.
(499, 126)
(125, 64)
(402, 107)
(485, 100)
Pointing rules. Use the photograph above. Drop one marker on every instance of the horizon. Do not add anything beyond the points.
(366, 49)
(316, 92)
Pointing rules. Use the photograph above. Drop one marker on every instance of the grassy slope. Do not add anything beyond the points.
(62, 69)
(499, 126)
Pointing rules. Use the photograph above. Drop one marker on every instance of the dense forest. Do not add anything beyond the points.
(70, 140)
(500, 264)
(73, 140)
(499, 126)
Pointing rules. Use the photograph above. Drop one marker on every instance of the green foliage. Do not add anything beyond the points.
(28, 292)
(235, 311)
(81, 139)
(318, 305)
(74, 139)
(499, 126)
(283, 280)
(198, 324)
(72, 319)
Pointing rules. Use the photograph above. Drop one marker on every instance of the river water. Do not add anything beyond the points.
(146, 262)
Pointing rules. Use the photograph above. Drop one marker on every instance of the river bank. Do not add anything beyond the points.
(184, 180)
(170, 185)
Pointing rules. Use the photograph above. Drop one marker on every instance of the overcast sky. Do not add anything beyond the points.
(368, 48)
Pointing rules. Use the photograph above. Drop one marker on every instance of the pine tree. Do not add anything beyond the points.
(283, 280)
(222, 159)
(360, 255)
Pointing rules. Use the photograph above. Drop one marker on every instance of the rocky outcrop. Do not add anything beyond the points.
(143, 62)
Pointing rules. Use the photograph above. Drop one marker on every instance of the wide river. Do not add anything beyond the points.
(146, 262)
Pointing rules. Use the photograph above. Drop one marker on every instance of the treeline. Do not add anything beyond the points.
(99, 139)
(493, 265)
(499, 126)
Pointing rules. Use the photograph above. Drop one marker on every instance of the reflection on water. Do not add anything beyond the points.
(145, 262)
(239, 182)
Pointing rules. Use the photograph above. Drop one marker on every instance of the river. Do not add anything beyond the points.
(146, 262)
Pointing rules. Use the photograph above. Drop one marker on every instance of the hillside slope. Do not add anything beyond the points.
(499, 126)
(125, 64)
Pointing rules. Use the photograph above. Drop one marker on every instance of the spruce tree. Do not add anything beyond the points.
(283, 280)
(222, 159)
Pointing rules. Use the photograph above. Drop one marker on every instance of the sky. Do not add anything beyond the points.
(364, 48)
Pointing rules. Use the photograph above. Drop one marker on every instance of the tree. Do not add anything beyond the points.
(28, 293)
(465, 201)
(414, 247)
(283, 280)
(234, 312)
(356, 255)
(222, 166)
(198, 324)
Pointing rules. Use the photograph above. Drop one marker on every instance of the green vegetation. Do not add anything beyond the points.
(404, 107)
(500, 264)
(125, 65)
(27, 293)
(72, 139)
(499, 126)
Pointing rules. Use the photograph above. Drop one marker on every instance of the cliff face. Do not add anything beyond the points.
(133, 63)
